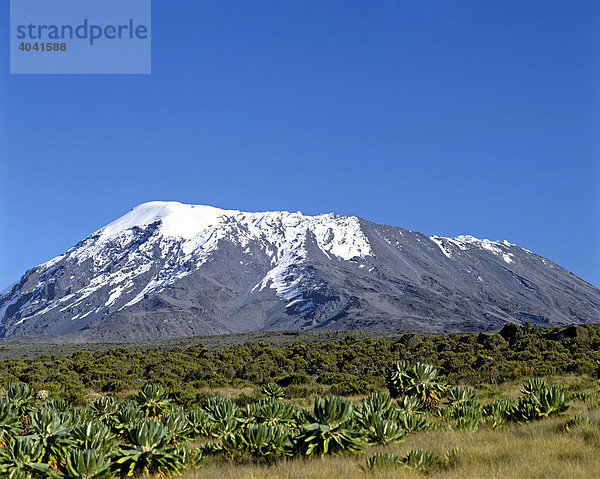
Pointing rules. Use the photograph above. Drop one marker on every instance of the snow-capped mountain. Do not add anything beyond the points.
(167, 269)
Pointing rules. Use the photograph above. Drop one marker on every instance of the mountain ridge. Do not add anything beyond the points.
(167, 269)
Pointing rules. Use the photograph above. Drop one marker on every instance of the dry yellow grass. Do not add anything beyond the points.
(536, 450)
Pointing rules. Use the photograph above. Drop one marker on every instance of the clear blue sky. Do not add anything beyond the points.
(446, 117)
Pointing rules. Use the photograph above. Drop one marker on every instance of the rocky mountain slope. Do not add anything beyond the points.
(167, 269)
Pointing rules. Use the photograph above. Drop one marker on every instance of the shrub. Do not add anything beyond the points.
(382, 461)
(419, 458)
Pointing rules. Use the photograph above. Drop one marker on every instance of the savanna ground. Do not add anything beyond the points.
(539, 449)
(351, 364)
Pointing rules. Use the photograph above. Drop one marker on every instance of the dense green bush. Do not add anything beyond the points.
(340, 363)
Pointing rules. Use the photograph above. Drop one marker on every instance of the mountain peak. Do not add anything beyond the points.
(179, 220)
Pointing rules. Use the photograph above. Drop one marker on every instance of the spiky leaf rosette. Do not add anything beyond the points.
(225, 416)
(87, 464)
(543, 403)
(332, 432)
(153, 400)
(58, 404)
(467, 423)
(273, 390)
(575, 422)
(271, 413)
(53, 434)
(376, 403)
(260, 440)
(334, 411)
(382, 431)
(192, 458)
(21, 457)
(9, 422)
(105, 408)
(459, 395)
(523, 410)
(551, 401)
(178, 426)
(413, 422)
(399, 378)
(78, 415)
(411, 404)
(199, 422)
(496, 413)
(147, 452)
(533, 386)
(419, 458)
(21, 396)
(128, 413)
(322, 439)
(425, 386)
(95, 436)
(380, 461)
(499, 408)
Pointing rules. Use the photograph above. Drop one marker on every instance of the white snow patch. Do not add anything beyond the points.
(114, 295)
(81, 316)
(52, 262)
(178, 220)
(495, 247)
(490, 246)
(439, 241)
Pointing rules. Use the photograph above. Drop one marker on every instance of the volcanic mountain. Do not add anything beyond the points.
(167, 269)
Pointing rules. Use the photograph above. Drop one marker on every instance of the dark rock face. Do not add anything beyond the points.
(167, 270)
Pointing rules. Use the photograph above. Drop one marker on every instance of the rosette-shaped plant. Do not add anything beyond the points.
(21, 397)
(533, 386)
(153, 400)
(271, 413)
(22, 458)
(332, 432)
(199, 422)
(399, 378)
(178, 426)
(425, 386)
(147, 451)
(273, 390)
(382, 431)
(87, 464)
(225, 416)
(9, 422)
(95, 436)
(53, 435)
(259, 440)
(105, 408)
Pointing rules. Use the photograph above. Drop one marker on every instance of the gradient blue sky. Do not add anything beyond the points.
(446, 117)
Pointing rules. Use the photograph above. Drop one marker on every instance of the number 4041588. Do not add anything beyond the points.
(43, 47)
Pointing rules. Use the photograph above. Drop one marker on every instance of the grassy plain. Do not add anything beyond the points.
(351, 364)
(539, 449)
